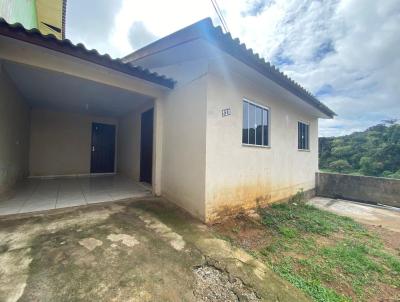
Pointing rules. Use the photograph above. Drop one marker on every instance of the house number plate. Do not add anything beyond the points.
(226, 112)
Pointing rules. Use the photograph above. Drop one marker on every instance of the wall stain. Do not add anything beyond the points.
(231, 200)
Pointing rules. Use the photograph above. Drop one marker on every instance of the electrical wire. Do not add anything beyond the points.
(219, 14)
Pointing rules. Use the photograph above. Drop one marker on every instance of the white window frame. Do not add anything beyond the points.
(244, 99)
(297, 135)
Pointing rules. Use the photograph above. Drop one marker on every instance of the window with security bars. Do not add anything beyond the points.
(303, 130)
(255, 124)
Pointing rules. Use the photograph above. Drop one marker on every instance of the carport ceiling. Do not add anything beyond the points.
(53, 90)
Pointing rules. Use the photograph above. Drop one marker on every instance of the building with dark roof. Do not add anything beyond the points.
(201, 119)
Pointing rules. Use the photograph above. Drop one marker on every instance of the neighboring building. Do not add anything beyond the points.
(228, 132)
(47, 16)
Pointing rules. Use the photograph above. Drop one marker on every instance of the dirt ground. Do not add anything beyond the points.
(145, 250)
(247, 231)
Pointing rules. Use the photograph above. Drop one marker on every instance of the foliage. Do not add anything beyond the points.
(329, 257)
(374, 152)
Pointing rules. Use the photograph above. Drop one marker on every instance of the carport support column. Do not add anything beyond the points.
(157, 145)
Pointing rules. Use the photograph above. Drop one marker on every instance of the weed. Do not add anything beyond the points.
(299, 197)
(236, 229)
(323, 253)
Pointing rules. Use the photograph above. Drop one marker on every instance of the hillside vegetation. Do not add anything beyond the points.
(373, 152)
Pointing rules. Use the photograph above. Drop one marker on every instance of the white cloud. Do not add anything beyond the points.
(346, 50)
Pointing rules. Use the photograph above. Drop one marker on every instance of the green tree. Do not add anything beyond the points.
(340, 166)
(374, 152)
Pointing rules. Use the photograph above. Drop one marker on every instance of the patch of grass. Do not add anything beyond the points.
(312, 287)
(329, 257)
(306, 219)
(288, 232)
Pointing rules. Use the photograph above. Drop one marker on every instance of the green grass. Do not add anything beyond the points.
(329, 257)
(312, 287)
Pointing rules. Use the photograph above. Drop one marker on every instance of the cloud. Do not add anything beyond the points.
(139, 35)
(90, 22)
(344, 51)
(256, 7)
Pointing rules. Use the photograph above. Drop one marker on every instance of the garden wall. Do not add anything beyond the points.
(376, 190)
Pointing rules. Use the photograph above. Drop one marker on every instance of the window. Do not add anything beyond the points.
(303, 131)
(255, 125)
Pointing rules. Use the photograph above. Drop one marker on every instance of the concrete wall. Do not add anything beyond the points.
(14, 133)
(239, 176)
(60, 142)
(359, 188)
(184, 140)
(129, 142)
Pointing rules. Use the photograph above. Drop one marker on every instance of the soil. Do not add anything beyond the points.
(251, 235)
(247, 232)
(390, 238)
(142, 250)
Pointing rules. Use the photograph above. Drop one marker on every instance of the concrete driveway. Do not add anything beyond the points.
(385, 217)
(146, 250)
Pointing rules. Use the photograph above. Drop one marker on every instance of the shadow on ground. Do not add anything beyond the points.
(144, 250)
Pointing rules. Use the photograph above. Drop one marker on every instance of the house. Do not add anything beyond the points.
(221, 131)
(47, 16)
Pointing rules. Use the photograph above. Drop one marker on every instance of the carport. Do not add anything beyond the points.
(76, 127)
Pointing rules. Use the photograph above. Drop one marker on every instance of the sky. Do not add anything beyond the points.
(346, 52)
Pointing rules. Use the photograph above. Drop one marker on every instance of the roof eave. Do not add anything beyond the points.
(204, 29)
(35, 37)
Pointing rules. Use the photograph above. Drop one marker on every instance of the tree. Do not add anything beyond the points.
(340, 166)
(374, 152)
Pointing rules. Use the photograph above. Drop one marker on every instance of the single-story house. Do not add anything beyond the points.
(223, 130)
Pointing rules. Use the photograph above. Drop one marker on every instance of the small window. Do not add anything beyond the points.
(255, 125)
(303, 136)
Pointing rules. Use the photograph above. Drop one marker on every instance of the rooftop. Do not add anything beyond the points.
(205, 29)
(34, 36)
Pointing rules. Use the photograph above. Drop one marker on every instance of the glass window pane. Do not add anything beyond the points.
(258, 126)
(303, 136)
(265, 128)
(245, 130)
(252, 124)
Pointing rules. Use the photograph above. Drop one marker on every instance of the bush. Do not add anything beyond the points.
(340, 166)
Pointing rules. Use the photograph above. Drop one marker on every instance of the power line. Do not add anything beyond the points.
(222, 16)
(219, 14)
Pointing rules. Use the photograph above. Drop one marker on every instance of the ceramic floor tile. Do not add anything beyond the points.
(70, 202)
(11, 206)
(44, 194)
(38, 206)
(96, 198)
(9, 211)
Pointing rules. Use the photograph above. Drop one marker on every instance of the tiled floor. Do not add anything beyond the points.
(44, 194)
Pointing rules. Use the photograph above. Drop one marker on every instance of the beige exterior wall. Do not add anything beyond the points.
(240, 176)
(129, 142)
(205, 168)
(14, 134)
(60, 142)
(184, 140)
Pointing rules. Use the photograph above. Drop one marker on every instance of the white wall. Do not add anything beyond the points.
(205, 169)
(240, 176)
(129, 142)
(184, 139)
(61, 142)
(14, 133)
